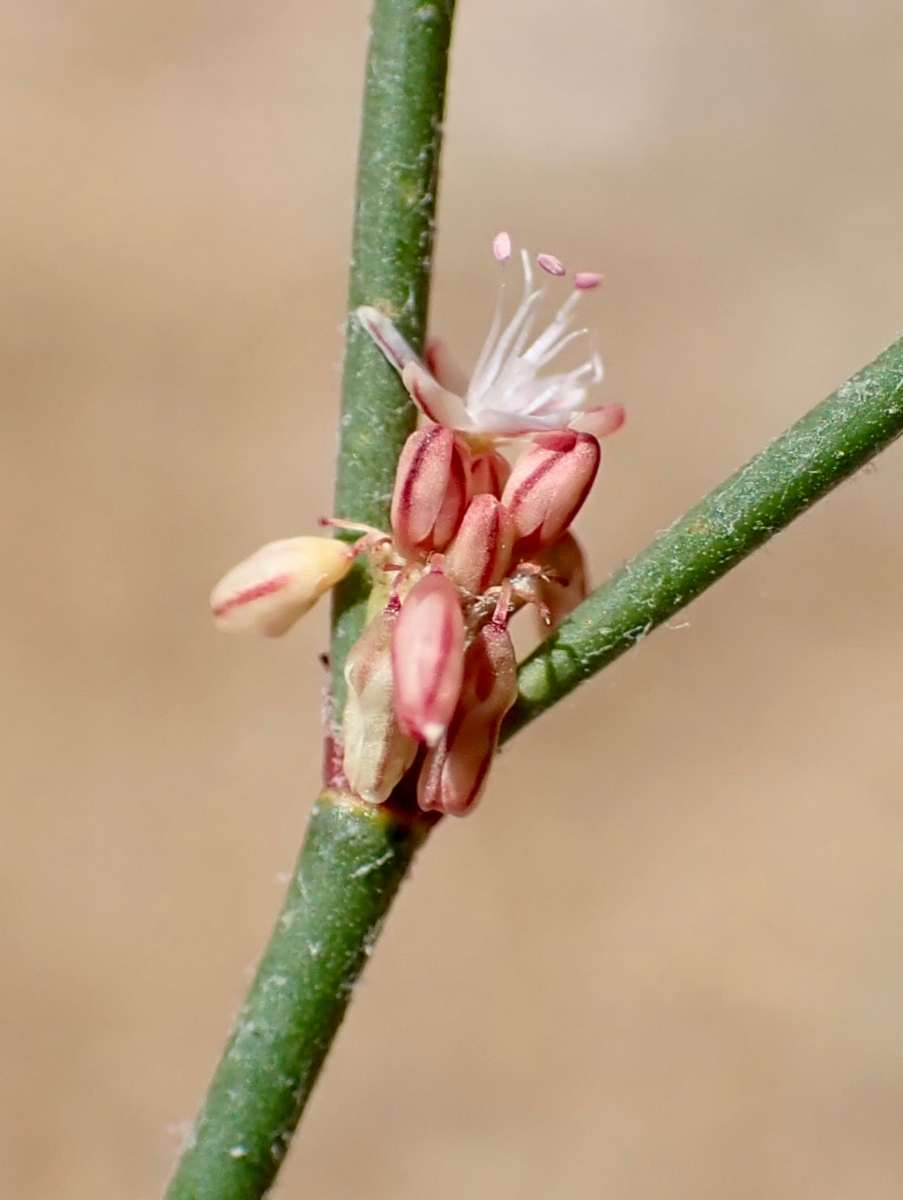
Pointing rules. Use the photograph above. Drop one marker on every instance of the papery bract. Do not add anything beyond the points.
(270, 590)
(432, 488)
(455, 770)
(428, 657)
(548, 485)
(480, 555)
(376, 751)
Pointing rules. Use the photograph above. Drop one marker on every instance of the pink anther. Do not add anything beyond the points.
(501, 246)
(585, 281)
(551, 264)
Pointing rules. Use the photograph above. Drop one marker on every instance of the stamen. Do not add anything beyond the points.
(501, 246)
(585, 281)
(352, 527)
(551, 264)
(498, 348)
(555, 331)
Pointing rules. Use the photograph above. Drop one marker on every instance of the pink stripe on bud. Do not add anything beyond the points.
(480, 555)
(269, 591)
(489, 472)
(376, 752)
(455, 770)
(564, 582)
(428, 658)
(501, 246)
(548, 485)
(432, 488)
(550, 264)
(586, 281)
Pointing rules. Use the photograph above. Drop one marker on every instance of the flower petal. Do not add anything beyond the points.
(441, 406)
(445, 370)
(386, 336)
(600, 421)
(494, 423)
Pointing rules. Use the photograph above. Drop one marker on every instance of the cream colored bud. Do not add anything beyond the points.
(377, 753)
(269, 591)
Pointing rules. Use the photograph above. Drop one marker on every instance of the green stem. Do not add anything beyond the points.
(351, 864)
(353, 857)
(820, 451)
(394, 223)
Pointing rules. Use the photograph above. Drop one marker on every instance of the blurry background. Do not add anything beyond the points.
(663, 959)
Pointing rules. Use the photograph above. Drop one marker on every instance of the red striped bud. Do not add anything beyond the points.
(269, 591)
(564, 582)
(455, 770)
(428, 658)
(432, 488)
(548, 485)
(480, 555)
(376, 753)
(489, 472)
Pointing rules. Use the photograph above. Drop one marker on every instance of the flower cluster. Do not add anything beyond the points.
(472, 539)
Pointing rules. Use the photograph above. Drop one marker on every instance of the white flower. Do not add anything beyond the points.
(507, 396)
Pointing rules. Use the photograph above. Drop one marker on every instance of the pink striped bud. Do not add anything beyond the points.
(428, 658)
(564, 582)
(269, 591)
(455, 770)
(376, 753)
(432, 488)
(548, 485)
(489, 472)
(480, 555)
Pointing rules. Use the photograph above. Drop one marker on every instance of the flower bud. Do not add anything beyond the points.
(489, 472)
(480, 555)
(428, 658)
(377, 753)
(564, 582)
(432, 488)
(269, 591)
(548, 485)
(455, 770)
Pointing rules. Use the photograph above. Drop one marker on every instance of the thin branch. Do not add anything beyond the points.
(821, 450)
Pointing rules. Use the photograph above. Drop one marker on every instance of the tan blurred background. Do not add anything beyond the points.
(663, 960)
